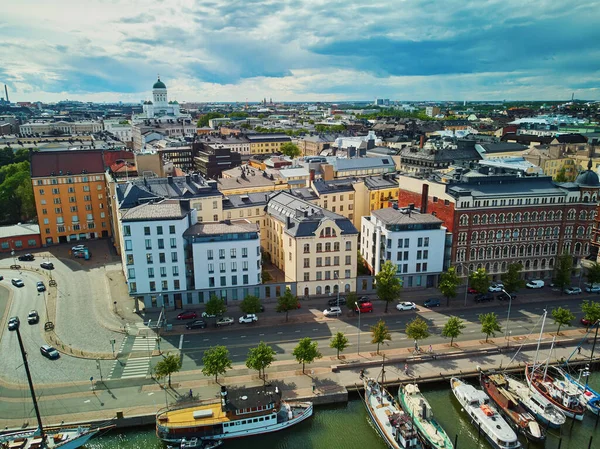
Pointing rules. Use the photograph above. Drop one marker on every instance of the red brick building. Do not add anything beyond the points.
(20, 237)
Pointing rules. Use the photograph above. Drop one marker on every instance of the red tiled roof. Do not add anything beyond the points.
(110, 157)
(123, 167)
(64, 162)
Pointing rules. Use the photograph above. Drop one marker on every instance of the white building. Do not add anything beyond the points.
(346, 142)
(46, 127)
(414, 242)
(119, 128)
(160, 109)
(226, 254)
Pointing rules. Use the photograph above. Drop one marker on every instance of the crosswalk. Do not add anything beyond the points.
(140, 364)
(142, 343)
(137, 367)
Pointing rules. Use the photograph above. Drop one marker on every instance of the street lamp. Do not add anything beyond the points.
(358, 310)
(506, 334)
(467, 276)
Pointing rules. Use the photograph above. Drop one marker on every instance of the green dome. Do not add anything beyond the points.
(159, 85)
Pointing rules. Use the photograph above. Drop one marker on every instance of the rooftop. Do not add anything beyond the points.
(61, 163)
(163, 210)
(361, 163)
(19, 229)
(396, 216)
(222, 227)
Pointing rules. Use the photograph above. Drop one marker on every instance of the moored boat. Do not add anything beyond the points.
(588, 397)
(414, 403)
(484, 415)
(244, 412)
(496, 387)
(544, 411)
(195, 443)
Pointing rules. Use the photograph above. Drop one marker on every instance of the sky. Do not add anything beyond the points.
(300, 50)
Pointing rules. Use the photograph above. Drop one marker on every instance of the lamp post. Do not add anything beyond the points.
(506, 334)
(467, 277)
(358, 346)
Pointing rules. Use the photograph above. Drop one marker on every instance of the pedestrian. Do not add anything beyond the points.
(430, 349)
(406, 369)
(579, 350)
(191, 393)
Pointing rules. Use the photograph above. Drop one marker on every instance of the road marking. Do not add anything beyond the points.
(150, 394)
(205, 339)
(398, 322)
(181, 342)
(297, 331)
(85, 402)
(243, 336)
(471, 332)
(261, 335)
(279, 333)
(186, 341)
(224, 338)
(315, 330)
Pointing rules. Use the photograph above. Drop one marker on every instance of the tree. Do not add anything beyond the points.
(250, 304)
(593, 274)
(266, 276)
(216, 361)
(380, 334)
(306, 351)
(449, 280)
(562, 176)
(479, 280)
(388, 284)
(351, 301)
(286, 302)
(215, 306)
(171, 363)
(290, 149)
(562, 271)
(417, 329)
(339, 342)
(489, 324)
(361, 269)
(512, 278)
(203, 121)
(591, 311)
(562, 317)
(453, 328)
(260, 358)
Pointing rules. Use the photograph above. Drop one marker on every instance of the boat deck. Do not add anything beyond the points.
(184, 417)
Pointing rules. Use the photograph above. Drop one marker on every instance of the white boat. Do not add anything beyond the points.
(244, 412)
(544, 411)
(391, 422)
(484, 415)
(63, 437)
(414, 403)
(588, 397)
(195, 443)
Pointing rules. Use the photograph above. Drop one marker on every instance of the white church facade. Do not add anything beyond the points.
(160, 110)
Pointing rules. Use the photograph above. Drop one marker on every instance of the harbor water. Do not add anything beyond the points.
(348, 427)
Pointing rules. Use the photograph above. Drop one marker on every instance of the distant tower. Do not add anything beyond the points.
(264, 101)
(159, 94)
(6, 91)
(572, 96)
(271, 100)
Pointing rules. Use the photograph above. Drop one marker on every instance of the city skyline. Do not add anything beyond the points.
(300, 51)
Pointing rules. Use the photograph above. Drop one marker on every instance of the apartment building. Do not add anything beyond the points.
(414, 242)
(70, 195)
(266, 143)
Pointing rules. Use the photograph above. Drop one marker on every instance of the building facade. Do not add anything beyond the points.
(60, 127)
(266, 143)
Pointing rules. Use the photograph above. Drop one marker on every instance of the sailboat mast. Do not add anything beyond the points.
(549, 357)
(30, 381)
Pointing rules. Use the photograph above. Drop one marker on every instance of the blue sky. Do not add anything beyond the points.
(295, 50)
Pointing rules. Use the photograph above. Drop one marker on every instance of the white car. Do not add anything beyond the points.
(406, 306)
(78, 248)
(248, 318)
(332, 311)
(206, 315)
(495, 288)
(593, 289)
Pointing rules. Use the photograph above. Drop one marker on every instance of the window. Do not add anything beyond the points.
(347, 274)
(215, 205)
(215, 218)
(307, 276)
(148, 257)
(328, 246)
(425, 254)
(319, 276)
(336, 260)
(176, 284)
(419, 242)
(223, 281)
(221, 254)
(55, 191)
(336, 246)
(173, 243)
(425, 267)
(164, 285)
(152, 286)
(150, 272)
(348, 260)
(348, 246)
(148, 244)
(146, 230)
(131, 273)
(233, 266)
(306, 248)
(163, 272)
(426, 241)
(319, 261)
(244, 252)
(327, 261)
(406, 243)
(161, 244)
(319, 247)
(161, 258)
(129, 259)
(56, 201)
(245, 265)
(209, 254)
(232, 252)
(46, 221)
(87, 198)
(233, 280)
(211, 268)
(418, 270)
(211, 281)
(419, 254)
(173, 257)
(133, 287)
(128, 245)
(172, 229)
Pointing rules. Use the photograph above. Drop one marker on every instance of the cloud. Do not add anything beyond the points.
(140, 18)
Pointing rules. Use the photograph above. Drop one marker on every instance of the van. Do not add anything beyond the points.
(535, 284)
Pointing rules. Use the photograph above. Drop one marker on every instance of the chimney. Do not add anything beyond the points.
(421, 141)
(188, 179)
(424, 197)
(170, 179)
(6, 90)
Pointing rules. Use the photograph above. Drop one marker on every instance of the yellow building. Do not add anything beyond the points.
(70, 195)
(267, 143)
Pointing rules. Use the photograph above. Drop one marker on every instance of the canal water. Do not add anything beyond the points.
(348, 427)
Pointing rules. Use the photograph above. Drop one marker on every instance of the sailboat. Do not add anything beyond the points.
(63, 437)
(544, 411)
(587, 396)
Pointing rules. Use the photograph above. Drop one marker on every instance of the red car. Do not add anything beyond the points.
(365, 307)
(472, 291)
(187, 315)
(586, 323)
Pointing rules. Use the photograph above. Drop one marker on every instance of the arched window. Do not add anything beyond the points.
(531, 233)
(507, 234)
(521, 251)
(505, 251)
(582, 215)
(501, 218)
(580, 231)
(550, 216)
(556, 231)
(503, 267)
(306, 291)
(492, 218)
(543, 264)
(550, 263)
(577, 248)
(559, 215)
(495, 267)
(488, 253)
(518, 217)
(535, 264)
(529, 250)
(571, 214)
(513, 251)
(474, 236)
(327, 289)
(497, 251)
(347, 288)
(526, 216)
(328, 232)
(319, 247)
(480, 253)
(498, 235)
(586, 198)
(318, 289)
(475, 219)
(542, 216)
(538, 249)
(509, 218)
(464, 220)
(487, 267)
(516, 234)
(482, 236)
(473, 253)
(527, 264)
(336, 288)
(540, 232)
(484, 219)
(553, 248)
(545, 249)
(534, 216)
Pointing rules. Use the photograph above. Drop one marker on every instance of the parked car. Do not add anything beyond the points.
(187, 315)
(47, 265)
(298, 306)
(40, 286)
(225, 321)
(406, 306)
(206, 315)
(17, 282)
(13, 323)
(484, 297)
(504, 297)
(1, 278)
(78, 248)
(472, 291)
(49, 352)
(334, 301)
(535, 284)
(432, 302)
(332, 311)
(365, 307)
(33, 317)
(26, 258)
(495, 287)
(248, 318)
(572, 291)
(593, 289)
(198, 324)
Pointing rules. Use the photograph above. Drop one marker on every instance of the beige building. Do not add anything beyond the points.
(267, 143)
(46, 127)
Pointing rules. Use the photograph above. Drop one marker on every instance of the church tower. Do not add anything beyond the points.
(159, 93)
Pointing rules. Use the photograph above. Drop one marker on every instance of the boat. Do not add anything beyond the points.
(392, 423)
(588, 397)
(496, 387)
(414, 403)
(484, 415)
(239, 413)
(544, 411)
(558, 391)
(63, 437)
(196, 443)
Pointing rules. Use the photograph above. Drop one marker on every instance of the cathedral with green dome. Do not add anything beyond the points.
(160, 109)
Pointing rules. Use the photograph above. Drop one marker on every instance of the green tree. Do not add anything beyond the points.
(591, 311)
(562, 271)
(250, 304)
(286, 302)
(170, 364)
(453, 328)
(593, 274)
(512, 278)
(260, 358)
(562, 317)
(266, 276)
(479, 280)
(203, 121)
(380, 334)
(562, 176)
(489, 324)
(388, 284)
(216, 361)
(238, 114)
(361, 269)
(290, 150)
(307, 351)
(417, 330)
(449, 281)
(215, 306)
(351, 300)
(339, 342)
(16, 193)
